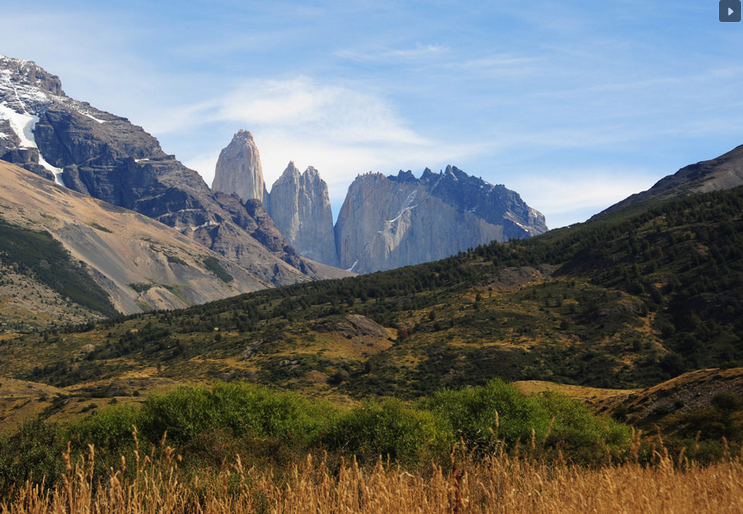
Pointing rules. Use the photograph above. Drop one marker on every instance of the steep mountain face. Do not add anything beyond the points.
(139, 263)
(724, 172)
(300, 206)
(239, 169)
(385, 222)
(106, 157)
(388, 222)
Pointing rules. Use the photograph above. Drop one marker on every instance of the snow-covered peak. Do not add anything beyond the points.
(26, 91)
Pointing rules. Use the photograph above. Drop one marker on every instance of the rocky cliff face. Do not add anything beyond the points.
(106, 157)
(300, 206)
(388, 222)
(239, 169)
(385, 222)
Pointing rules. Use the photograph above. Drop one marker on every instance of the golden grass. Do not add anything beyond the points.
(500, 484)
(588, 394)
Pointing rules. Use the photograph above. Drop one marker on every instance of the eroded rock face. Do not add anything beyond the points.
(107, 157)
(300, 206)
(239, 169)
(388, 222)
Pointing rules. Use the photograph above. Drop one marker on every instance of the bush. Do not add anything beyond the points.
(33, 453)
(484, 415)
(241, 408)
(388, 429)
(727, 401)
(578, 431)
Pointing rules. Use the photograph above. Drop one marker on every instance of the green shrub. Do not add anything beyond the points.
(577, 430)
(485, 415)
(388, 429)
(33, 453)
(727, 401)
(109, 428)
(243, 409)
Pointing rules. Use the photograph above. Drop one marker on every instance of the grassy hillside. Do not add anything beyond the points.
(619, 303)
(402, 364)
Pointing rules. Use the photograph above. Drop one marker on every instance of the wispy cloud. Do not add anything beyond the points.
(417, 52)
(309, 107)
(567, 196)
(340, 130)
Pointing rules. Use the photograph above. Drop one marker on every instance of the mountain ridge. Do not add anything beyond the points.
(106, 157)
(139, 262)
(719, 173)
(455, 211)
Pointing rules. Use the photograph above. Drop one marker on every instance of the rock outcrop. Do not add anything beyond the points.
(388, 222)
(105, 156)
(300, 206)
(385, 222)
(239, 169)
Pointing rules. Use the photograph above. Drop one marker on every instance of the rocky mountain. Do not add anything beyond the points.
(300, 206)
(385, 222)
(724, 172)
(389, 222)
(139, 263)
(107, 157)
(239, 169)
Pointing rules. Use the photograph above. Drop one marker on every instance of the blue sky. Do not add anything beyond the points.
(575, 105)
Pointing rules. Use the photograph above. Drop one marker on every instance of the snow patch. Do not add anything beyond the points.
(407, 205)
(210, 223)
(352, 267)
(88, 115)
(23, 125)
(406, 209)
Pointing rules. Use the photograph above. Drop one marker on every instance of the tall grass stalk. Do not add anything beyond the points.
(500, 483)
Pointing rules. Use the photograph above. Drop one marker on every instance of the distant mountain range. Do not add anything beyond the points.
(385, 222)
(238, 237)
(106, 157)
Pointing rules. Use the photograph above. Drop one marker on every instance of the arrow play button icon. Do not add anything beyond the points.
(730, 10)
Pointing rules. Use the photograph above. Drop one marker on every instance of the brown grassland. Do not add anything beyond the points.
(499, 483)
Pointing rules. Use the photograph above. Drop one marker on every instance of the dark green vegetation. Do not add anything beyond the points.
(208, 426)
(212, 264)
(39, 255)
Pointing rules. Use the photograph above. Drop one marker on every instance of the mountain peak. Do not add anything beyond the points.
(28, 74)
(243, 135)
(388, 222)
(239, 169)
(300, 206)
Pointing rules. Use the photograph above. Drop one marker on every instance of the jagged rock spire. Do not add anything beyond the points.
(300, 206)
(239, 169)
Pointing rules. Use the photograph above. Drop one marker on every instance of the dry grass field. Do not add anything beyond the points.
(499, 484)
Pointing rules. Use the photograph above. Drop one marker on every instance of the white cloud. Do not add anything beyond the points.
(340, 130)
(419, 51)
(307, 107)
(567, 197)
